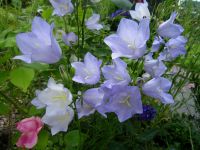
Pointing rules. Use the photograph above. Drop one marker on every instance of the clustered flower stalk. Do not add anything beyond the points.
(118, 93)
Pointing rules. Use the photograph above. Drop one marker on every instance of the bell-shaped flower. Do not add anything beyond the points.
(83, 109)
(130, 39)
(124, 101)
(58, 117)
(53, 94)
(93, 22)
(62, 7)
(158, 41)
(174, 48)
(168, 29)
(87, 72)
(116, 74)
(158, 88)
(39, 45)
(154, 67)
(141, 11)
(29, 127)
(70, 38)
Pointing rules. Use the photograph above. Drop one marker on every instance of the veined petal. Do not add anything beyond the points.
(84, 109)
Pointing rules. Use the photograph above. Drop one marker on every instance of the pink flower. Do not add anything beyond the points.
(29, 128)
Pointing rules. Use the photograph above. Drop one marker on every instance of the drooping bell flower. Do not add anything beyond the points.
(124, 101)
(58, 117)
(154, 67)
(87, 72)
(141, 11)
(29, 127)
(169, 29)
(158, 41)
(62, 7)
(173, 48)
(39, 45)
(158, 88)
(53, 94)
(70, 38)
(130, 39)
(93, 22)
(116, 74)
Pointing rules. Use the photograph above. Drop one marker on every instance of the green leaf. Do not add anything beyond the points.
(124, 4)
(4, 108)
(22, 77)
(42, 140)
(46, 14)
(3, 76)
(74, 138)
(33, 111)
(37, 66)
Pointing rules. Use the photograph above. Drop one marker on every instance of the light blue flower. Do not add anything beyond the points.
(93, 22)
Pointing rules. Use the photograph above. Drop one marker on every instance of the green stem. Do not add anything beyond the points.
(12, 102)
(84, 7)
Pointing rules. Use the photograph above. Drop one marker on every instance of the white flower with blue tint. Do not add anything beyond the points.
(62, 7)
(141, 11)
(53, 94)
(130, 39)
(58, 117)
(93, 22)
(87, 72)
(158, 88)
(39, 45)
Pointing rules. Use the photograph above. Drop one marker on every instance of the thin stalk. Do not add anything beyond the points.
(84, 7)
(12, 102)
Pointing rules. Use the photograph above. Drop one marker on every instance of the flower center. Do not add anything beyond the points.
(126, 101)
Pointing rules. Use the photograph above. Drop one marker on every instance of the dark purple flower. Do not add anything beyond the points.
(87, 72)
(168, 29)
(148, 114)
(158, 88)
(39, 45)
(116, 74)
(62, 7)
(130, 39)
(124, 101)
(174, 48)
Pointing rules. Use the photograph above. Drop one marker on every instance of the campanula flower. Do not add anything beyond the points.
(58, 117)
(93, 22)
(87, 72)
(70, 38)
(83, 109)
(116, 74)
(124, 101)
(148, 114)
(39, 45)
(141, 11)
(29, 127)
(62, 7)
(168, 29)
(158, 88)
(154, 67)
(130, 39)
(173, 48)
(53, 94)
(158, 41)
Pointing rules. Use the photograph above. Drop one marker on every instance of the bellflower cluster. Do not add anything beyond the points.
(39, 45)
(56, 99)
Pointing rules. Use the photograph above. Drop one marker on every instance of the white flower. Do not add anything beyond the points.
(53, 94)
(92, 22)
(58, 117)
(141, 11)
